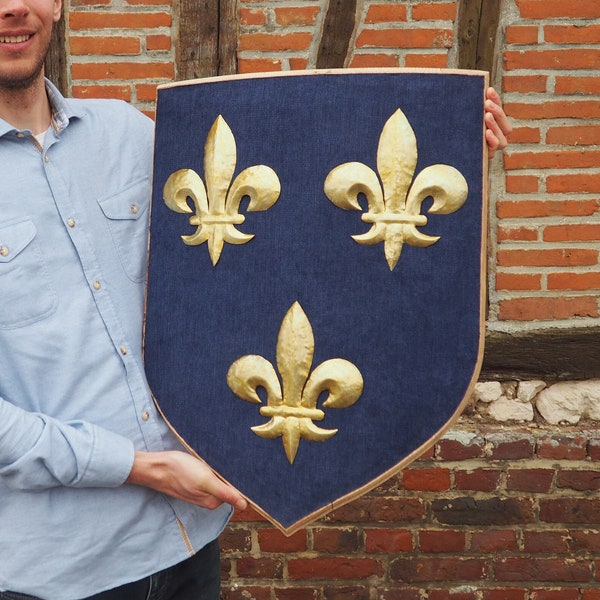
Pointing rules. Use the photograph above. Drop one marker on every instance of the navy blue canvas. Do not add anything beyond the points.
(414, 332)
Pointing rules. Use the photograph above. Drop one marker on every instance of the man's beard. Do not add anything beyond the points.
(22, 81)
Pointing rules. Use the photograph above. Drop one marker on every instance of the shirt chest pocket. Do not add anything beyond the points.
(26, 290)
(127, 217)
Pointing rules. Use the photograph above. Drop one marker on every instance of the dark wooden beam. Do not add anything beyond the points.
(206, 38)
(478, 22)
(553, 354)
(338, 27)
(56, 60)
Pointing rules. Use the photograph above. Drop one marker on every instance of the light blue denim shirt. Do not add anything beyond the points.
(74, 402)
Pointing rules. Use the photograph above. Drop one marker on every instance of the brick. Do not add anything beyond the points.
(335, 540)
(505, 594)
(565, 159)
(441, 540)
(477, 480)
(594, 449)
(296, 593)
(544, 309)
(120, 70)
(546, 542)
(439, 11)
(388, 540)
(298, 16)
(248, 592)
(432, 61)
(573, 281)
(116, 45)
(149, 2)
(120, 92)
(271, 42)
(590, 594)
(405, 38)
(546, 208)
(145, 91)
(399, 593)
(572, 34)
(525, 135)
(578, 480)
(576, 85)
(493, 541)
(347, 593)
(430, 480)
(561, 109)
(504, 447)
(522, 34)
(541, 569)
(252, 16)
(579, 135)
(540, 60)
(518, 281)
(559, 257)
(386, 13)
(382, 510)
(585, 540)
(548, 9)
(323, 567)
(259, 568)
(257, 65)
(517, 234)
(457, 449)
(582, 183)
(297, 63)
(374, 60)
(247, 515)
(492, 511)
(521, 184)
(115, 20)
(158, 42)
(562, 594)
(563, 447)
(419, 569)
(454, 594)
(530, 480)
(570, 510)
(272, 540)
(524, 84)
(236, 539)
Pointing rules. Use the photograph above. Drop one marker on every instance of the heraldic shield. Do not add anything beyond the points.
(316, 283)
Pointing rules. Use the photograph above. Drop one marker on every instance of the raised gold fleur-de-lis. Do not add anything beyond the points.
(292, 405)
(394, 205)
(218, 204)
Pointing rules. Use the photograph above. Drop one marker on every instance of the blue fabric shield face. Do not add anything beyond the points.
(315, 287)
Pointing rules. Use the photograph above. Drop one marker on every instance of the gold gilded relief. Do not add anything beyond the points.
(217, 205)
(292, 404)
(394, 203)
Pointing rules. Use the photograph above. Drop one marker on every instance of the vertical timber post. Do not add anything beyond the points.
(338, 27)
(206, 38)
(55, 67)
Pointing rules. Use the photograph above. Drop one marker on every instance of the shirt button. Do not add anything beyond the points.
(71, 222)
(20, 134)
(3, 251)
(134, 209)
(123, 350)
(97, 285)
(46, 158)
(145, 415)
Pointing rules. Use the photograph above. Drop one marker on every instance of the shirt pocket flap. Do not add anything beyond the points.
(128, 204)
(14, 238)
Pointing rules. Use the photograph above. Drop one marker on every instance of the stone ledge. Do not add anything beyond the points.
(551, 355)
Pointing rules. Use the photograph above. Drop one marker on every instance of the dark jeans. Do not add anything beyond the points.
(197, 578)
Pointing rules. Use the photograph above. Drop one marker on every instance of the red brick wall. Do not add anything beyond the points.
(493, 512)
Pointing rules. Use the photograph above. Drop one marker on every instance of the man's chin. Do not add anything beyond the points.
(20, 81)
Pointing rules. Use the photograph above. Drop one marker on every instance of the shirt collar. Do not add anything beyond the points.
(63, 110)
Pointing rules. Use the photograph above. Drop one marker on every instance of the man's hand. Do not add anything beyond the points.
(182, 476)
(497, 125)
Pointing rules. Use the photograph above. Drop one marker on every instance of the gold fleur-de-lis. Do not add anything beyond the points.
(292, 405)
(218, 204)
(394, 205)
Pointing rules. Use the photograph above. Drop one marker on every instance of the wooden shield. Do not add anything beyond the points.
(316, 283)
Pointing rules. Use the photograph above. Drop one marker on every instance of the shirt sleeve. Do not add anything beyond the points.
(39, 452)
